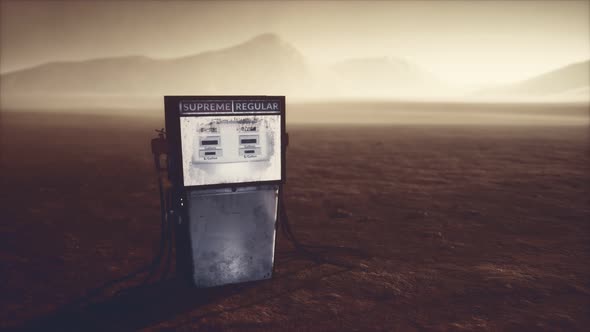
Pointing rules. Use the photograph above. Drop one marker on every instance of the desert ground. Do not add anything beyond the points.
(421, 227)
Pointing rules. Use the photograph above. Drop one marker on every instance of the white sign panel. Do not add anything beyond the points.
(230, 149)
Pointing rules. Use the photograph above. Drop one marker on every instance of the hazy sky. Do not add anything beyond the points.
(465, 43)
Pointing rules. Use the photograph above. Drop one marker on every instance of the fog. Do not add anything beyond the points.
(415, 60)
(466, 43)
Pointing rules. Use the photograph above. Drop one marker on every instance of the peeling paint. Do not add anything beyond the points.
(230, 161)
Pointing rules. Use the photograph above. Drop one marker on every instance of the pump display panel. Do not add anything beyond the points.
(230, 149)
(228, 140)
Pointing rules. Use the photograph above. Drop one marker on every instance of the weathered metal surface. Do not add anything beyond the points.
(232, 234)
(230, 149)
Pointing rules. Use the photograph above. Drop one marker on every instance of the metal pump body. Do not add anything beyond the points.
(226, 164)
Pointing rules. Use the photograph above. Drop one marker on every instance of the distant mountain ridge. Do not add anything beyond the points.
(265, 64)
(207, 72)
(569, 82)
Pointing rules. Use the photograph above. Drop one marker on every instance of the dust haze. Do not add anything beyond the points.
(438, 159)
(416, 57)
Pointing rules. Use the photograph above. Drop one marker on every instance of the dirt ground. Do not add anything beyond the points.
(454, 228)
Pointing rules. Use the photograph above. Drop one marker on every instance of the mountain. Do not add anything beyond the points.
(265, 64)
(383, 77)
(571, 82)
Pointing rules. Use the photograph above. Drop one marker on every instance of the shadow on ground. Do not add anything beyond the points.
(133, 308)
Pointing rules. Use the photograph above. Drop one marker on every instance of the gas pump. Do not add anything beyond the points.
(226, 165)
